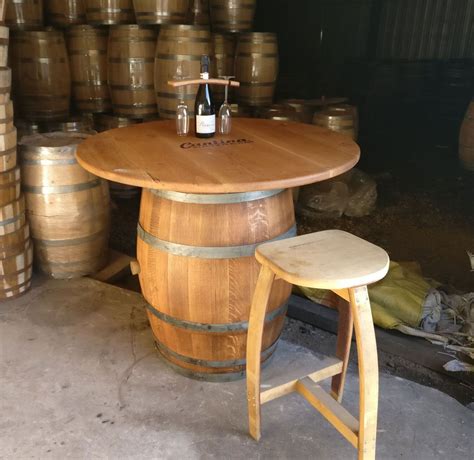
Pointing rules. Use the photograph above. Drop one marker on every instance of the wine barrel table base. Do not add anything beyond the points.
(205, 207)
(200, 311)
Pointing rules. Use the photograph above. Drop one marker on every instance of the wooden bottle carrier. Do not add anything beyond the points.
(131, 70)
(41, 73)
(109, 12)
(65, 13)
(68, 208)
(87, 50)
(178, 55)
(161, 11)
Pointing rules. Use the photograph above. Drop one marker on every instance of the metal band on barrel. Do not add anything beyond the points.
(207, 363)
(221, 198)
(178, 57)
(140, 86)
(4, 223)
(140, 60)
(61, 188)
(217, 328)
(72, 241)
(71, 161)
(208, 377)
(207, 252)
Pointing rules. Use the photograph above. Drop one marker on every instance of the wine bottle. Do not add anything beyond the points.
(204, 110)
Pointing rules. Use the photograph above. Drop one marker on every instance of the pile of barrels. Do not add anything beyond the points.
(51, 210)
(115, 57)
(16, 249)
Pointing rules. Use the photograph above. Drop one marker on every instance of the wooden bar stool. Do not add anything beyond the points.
(344, 264)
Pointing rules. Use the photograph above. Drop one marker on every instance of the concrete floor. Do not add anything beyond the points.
(80, 378)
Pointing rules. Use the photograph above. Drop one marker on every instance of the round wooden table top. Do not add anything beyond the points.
(257, 155)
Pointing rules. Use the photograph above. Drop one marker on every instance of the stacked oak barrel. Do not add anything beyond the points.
(67, 208)
(16, 249)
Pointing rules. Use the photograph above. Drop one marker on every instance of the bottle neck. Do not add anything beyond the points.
(205, 75)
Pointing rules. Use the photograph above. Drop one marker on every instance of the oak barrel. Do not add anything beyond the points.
(278, 112)
(9, 186)
(26, 128)
(64, 13)
(104, 122)
(5, 84)
(199, 12)
(203, 252)
(16, 272)
(224, 56)
(6, 117)
(87, 50)
(161, 11)
(12, 216)
(8, 142)
(24, 14)
(14, 231)
(71, 125)
(234, 16)
(342, 118)
(41, 73)
(178, 55)
(131, 70)
(4, 39)
(466, 139)
(68, 208)
(256, 67)
(108, 12)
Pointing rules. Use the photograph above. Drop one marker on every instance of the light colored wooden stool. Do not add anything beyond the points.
(344, 264)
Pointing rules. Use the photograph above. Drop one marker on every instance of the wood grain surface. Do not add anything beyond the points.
(258, 155)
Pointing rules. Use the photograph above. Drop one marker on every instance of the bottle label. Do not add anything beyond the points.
(205, 124)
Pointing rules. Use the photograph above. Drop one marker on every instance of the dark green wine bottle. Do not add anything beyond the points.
(204, 110)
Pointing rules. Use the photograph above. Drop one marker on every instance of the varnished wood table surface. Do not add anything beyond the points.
(270, 155)
(206, 205)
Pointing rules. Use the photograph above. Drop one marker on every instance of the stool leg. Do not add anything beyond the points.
(343, 347)
(254, 347)
(368, 371)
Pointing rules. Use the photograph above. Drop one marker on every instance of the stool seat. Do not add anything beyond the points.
(330, 259)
